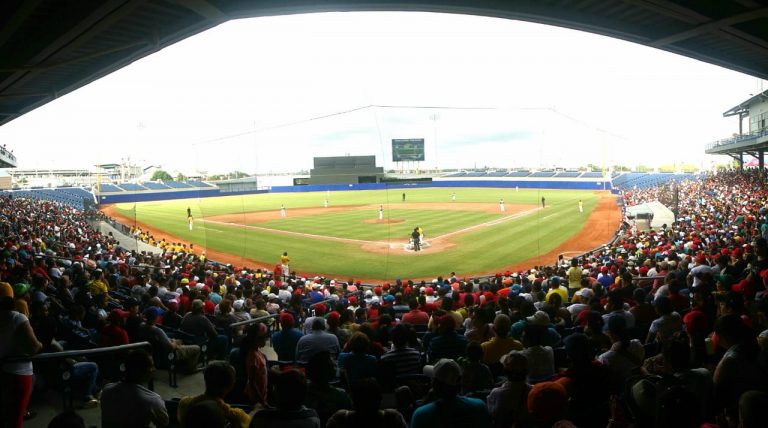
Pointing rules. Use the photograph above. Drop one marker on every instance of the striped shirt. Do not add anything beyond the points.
(405, 360)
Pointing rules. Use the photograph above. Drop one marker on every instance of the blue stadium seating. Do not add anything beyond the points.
(475, 174)
(568, 174)
(519, 174)
(155, 186)
(132, 187)
(543, 174)
(177, 184)
(110, 188)
(497, 174)
(195, 183)
(592, 174)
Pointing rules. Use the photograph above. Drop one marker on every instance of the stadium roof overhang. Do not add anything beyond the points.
(49, 48)
(743, 108)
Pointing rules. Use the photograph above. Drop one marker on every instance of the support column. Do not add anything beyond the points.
(760, 161)
(741, 161)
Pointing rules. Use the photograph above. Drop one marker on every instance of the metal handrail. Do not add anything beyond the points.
(78, 353)
(253, 321)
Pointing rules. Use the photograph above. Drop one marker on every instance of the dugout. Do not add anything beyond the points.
(345, 170)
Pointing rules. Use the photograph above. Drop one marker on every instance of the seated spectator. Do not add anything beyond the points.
(172, 318)
(404, 359)
(667, 324)
(507, 403)
(475, 375)
(547, 403)
(255, 363)
(198, 325)
(114, 333)
(588, 379)
(129, 403)
(415, 316)
(449, 409)
(738, 370)
(626, 355)
(67, 419)
(616, 309)
(541, 359)
(480, 330)
(366, 396)
(357, 364)
(205, 414)
(316, 341)
(187, 356)
(321, 395)
(219, 378)
(501, 344)
(284, 341)
(447, 343)
(752, 405)
(290, 392)
(643, 311)
(334, 327)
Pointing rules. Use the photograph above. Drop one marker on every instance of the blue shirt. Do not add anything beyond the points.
(456, 412)
(284, 343)
(358, 366)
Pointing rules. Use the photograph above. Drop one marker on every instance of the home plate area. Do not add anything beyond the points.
(409, 246)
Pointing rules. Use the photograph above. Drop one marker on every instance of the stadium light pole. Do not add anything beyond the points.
(434, 118)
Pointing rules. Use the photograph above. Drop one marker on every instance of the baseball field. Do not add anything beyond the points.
(464, 228)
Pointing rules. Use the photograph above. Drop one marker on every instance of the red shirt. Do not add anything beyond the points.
(113, 335)
(416, 317)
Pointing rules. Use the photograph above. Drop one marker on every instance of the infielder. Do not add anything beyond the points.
(282, 210)
(501, 205)
(581, 206)
(381, 212)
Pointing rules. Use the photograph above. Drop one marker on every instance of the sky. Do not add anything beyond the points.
(265, 95)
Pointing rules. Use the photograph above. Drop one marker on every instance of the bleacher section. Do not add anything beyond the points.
(131, 187)
(104, 188)
(642, 180)
(195, 183)
(71, 196)
(568, 174)
(519, 174)
(152, 185)
(177, 184)
(542, 174)
(155, 186)
(593, 174)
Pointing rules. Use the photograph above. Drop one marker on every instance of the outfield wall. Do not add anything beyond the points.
(150, 196)
(522, 184)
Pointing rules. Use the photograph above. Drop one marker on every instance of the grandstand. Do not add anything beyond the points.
(680, 285)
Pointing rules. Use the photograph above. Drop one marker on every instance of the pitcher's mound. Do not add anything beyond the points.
(385, 221)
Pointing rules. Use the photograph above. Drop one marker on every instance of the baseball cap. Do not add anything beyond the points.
(547, 400)
(20, 288)
(539, 318)
(446, 371)
(153, 312)
(115, 314)
(6, 290)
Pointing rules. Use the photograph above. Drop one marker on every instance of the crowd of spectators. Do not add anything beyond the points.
(662, 328)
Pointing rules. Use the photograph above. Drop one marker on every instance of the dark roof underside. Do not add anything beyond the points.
(51, 47)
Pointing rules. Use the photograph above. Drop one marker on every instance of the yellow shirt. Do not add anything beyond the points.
(236, 417)
(574, 277)
(561, 291)
(285, 260)
(497, 347)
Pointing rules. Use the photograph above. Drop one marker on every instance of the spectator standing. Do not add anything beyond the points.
(284, 341)
(16, 339)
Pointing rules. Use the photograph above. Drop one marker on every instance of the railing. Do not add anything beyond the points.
(66, 375)
(737, 139)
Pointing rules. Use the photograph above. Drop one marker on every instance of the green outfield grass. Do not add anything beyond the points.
(481, 250)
